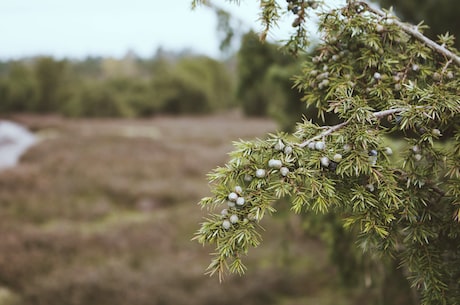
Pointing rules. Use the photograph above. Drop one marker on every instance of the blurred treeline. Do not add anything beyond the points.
(257, 78)
(105, 87)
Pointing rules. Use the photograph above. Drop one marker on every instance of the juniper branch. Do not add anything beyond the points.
(331, 129)
(413, 31)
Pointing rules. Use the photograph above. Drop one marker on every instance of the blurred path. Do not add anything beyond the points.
(14, 141)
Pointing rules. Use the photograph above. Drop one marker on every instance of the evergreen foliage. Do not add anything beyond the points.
(379, 76)
(441, 15)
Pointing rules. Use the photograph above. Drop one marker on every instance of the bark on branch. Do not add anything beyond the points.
(331, 129)
(412, 30)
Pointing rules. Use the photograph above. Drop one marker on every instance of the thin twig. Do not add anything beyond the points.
(444, 69)
(331, 129)
(384, 113)
(412, 30)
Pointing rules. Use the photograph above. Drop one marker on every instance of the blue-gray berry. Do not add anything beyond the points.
(320, 145)
(234, 218)
(436, 132)
(337, 158)
(273, 163)
(238, 190)
(325, 161)
(284, 171)
(373, 152)
(260, 173)
(288, 150)
(232, 196)
(226, 224)
(279, 145)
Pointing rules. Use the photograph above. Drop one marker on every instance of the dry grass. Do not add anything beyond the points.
(102, 212)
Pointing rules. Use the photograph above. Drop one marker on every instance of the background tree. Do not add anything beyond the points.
(181, 83)
(284, 102)
(193, 85)
(53, 81)
(265, 82)
(18, 92)
(401, 199)
(254, 60)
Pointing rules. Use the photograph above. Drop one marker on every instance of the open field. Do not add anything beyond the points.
(102, 212)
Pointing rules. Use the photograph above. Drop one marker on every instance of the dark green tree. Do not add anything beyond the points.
(52, 77)
(97, 99)
(265, 84)
(18, 89)
(192, 85)
(283, 101)
(254, 60)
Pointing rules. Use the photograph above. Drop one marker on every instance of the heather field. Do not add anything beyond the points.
(102, 212)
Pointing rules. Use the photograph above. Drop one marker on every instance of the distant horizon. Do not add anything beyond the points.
(110, 29)
(174, 52)
(106, 28)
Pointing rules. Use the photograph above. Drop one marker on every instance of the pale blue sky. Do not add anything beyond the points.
(77, 28)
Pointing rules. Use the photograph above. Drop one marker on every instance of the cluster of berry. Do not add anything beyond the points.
(332, 163)
(236, 200)
(297, 7)
(437, 76)
(336, 49)
(324, 160)
(417, 152)
(234, 212)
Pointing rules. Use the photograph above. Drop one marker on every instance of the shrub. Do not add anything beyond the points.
(19, 91)
(193, 85)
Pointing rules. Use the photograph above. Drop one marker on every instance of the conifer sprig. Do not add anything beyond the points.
(389, 170)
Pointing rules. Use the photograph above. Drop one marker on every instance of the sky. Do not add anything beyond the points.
(80, 28)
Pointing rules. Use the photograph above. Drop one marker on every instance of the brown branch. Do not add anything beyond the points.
(331, 129)
(412, 30)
